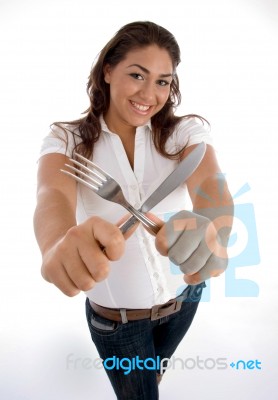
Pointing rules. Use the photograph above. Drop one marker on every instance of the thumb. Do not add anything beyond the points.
(156, 220)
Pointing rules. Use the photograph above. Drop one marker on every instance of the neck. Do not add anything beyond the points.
(120, 128)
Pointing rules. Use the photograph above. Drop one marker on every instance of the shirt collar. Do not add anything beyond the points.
(105, 128)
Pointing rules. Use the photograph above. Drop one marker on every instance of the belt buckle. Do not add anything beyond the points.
(163, 310)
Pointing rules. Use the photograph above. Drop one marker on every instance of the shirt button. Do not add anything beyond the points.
(156, 275)
(137, 205)
(133, 187)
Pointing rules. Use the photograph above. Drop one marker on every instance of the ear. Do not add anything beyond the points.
(107, 73)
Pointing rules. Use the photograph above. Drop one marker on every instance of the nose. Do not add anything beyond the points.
(147, 93)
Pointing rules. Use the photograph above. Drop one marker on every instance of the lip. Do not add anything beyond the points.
(138, 111)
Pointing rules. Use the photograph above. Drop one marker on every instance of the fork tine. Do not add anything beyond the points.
(77, 178)
(93, 165)
(77, 171)
(82, 166)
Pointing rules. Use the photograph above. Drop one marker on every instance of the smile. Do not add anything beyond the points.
(140, 107)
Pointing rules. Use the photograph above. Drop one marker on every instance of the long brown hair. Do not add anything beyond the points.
(133, 35)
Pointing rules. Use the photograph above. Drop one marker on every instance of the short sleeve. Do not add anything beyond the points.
(59, 140)
(191, 131)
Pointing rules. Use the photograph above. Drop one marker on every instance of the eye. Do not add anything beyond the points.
(137, 76)
(162, 82)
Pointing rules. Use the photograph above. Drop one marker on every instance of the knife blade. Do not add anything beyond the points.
(183, 171)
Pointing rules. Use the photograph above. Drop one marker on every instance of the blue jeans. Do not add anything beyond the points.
(145, 339)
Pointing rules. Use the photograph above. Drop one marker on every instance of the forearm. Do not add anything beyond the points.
(54, 216)
(72, 255)
(213, 200)
(197, 241)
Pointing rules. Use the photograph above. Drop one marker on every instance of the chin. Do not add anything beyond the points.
(140, 120)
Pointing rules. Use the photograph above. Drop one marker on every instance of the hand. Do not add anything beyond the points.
(196, 244)
(77, 261)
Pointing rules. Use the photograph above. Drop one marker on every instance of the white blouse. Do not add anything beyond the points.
(142, 278)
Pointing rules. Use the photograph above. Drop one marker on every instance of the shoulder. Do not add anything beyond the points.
(191, 124)
(62, 138)
(63, 130)
(192, 130)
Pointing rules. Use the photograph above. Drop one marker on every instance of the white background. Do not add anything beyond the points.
(228, 74)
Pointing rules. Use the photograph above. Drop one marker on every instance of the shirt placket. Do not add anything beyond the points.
(135, 193)
(146, 241)
(131, 190)
(152, 262)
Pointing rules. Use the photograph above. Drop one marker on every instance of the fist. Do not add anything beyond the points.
(196, 244)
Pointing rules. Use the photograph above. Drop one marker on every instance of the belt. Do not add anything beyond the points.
(124, 314)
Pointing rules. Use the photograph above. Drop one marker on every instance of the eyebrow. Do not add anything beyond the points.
(148, 72)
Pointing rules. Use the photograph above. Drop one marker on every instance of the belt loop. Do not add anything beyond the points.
(123, 315)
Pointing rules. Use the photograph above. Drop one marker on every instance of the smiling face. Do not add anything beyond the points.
(139, 88)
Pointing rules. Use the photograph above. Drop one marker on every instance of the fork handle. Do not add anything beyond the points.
(143, 219)
(128, 224)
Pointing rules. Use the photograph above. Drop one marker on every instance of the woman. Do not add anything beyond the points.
(131, 131)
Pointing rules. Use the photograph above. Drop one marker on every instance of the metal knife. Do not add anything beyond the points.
(183, 171)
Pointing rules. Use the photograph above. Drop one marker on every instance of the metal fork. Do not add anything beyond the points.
(104, 185)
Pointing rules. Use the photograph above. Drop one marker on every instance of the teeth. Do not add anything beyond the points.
(140, 107)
